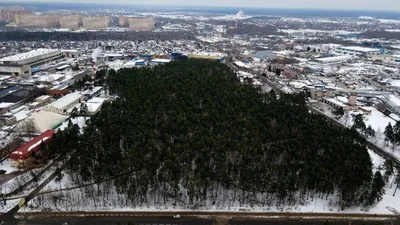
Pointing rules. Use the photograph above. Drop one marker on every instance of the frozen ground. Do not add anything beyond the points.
(81, 121)
(93, 198)
(6, 165)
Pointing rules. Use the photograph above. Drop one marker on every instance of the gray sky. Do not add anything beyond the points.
(392, 5)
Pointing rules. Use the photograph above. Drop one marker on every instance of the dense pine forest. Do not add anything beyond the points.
(189, 134)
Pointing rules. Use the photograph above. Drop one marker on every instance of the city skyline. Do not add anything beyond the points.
(387, 5)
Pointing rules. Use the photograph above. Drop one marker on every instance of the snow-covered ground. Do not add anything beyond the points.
(65, 182)
(93, 198)
(6, 165)
(21, 179)
(81, 121)
(378, 121)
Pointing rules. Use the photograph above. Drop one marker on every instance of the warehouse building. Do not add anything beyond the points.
(12, 69)
(62, 105)
(356, 51)
(22, 63)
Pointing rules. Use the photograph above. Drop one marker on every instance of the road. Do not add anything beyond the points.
(370, 145)
(191, 221)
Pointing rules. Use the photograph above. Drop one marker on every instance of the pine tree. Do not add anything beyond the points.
(396, 132)
(278, 71)
(397, 180)
(389, 133)
(370, 132)
(358, 123)
(389, 169)
(377, 187)
(339, 112)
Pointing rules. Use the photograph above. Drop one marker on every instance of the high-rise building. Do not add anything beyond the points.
(141, 24)
(95, 22)
(70, 21)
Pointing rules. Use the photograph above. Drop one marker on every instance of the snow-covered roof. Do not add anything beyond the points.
(5, 104)
(28, 55)
(335, 102)
(161, 60)
(25, 150)
(334, 58)
(394, 99)
(66, 100)
(359, 49)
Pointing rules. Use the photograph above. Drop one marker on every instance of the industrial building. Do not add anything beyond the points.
(220, 57)
(357, 51)
(14, 69)
(62, 105)
(21, 157)
(40, 21)
(12, 97)
(70, 21)
(22, 63)
(141, 24)
(34, 57)
(95, 22)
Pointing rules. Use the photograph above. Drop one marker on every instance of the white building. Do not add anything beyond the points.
(356, 51)
(32, 57)
(94, 105)
(62, 105)
(20, 64)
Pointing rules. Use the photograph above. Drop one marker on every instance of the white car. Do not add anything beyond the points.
(177, 216)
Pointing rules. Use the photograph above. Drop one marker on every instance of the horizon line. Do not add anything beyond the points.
(198, 6)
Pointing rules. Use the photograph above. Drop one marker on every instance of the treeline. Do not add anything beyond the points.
(88, 36)
(381, 34)
(251, 29)
(188, 133)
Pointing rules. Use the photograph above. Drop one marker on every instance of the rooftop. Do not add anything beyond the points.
(27, 55)
(66, 100)
(359, 49)
(25, 149)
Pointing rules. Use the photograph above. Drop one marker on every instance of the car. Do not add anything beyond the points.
(177, 216)
(2, 171)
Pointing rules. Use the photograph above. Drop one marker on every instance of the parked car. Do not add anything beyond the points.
(2, 171)
(177, 216)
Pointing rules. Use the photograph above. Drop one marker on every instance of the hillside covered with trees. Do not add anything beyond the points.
(189, 134)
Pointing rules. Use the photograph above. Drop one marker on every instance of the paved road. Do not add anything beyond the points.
(190, 220)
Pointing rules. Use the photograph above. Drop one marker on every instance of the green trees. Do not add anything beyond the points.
(389, 133)
(358, 123)
(370, 132)
(376, 190)
(189, 134)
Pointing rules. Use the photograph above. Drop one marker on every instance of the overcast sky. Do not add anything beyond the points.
(392, 5)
